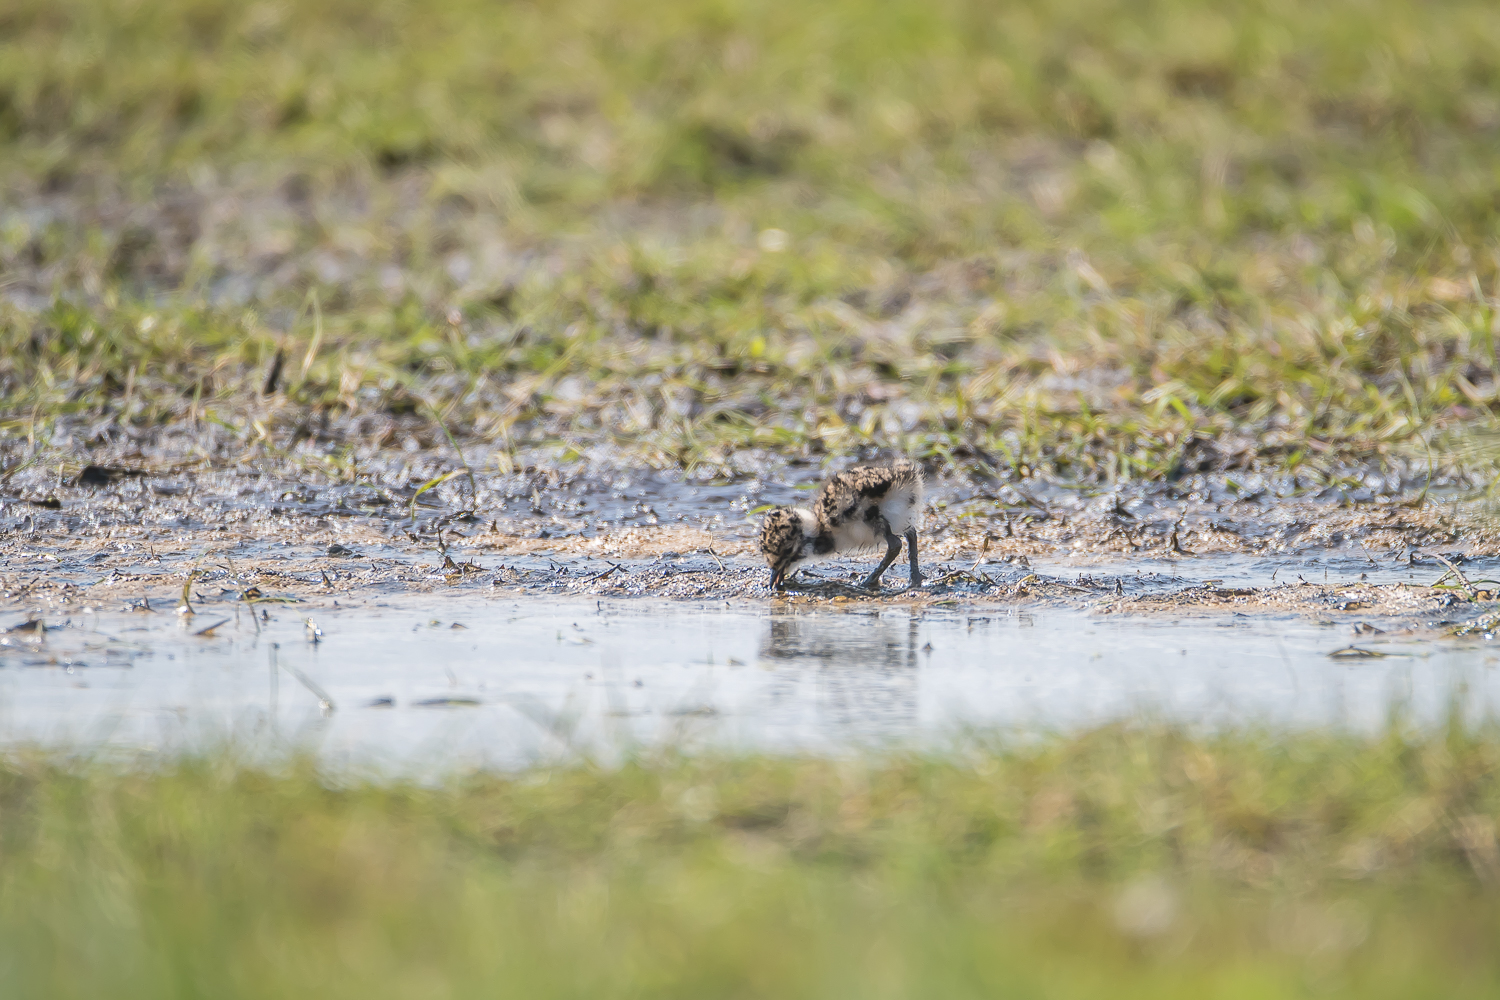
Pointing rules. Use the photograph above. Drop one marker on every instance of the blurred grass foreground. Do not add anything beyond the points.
(1132, 861)
(1093, 239)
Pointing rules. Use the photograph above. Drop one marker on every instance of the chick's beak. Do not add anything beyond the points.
(778, 578)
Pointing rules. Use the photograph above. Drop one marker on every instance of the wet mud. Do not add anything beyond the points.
(81, 554)
(118, 533)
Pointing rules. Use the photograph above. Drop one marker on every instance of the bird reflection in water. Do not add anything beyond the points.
(864, 666)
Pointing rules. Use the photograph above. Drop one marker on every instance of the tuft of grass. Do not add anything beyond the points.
(1133, 860)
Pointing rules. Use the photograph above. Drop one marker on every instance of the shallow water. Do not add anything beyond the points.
(507, 682)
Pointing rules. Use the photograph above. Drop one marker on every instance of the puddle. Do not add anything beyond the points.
(502, 682)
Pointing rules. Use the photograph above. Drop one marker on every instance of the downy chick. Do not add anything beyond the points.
(855, 510)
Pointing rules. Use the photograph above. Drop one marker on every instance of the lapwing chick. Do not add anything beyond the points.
(855, 510)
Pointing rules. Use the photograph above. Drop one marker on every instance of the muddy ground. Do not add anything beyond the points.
(119, 537)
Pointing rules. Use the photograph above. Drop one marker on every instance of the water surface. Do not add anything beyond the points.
(503, 682)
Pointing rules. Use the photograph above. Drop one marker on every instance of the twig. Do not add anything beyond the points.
(982, 550)
(1033, 501)
(1458, 574)
(1356, 653)
(841, 585)
(710, 551)
(208, 630)
(1174, 544)
(604, 573)
(273, 378)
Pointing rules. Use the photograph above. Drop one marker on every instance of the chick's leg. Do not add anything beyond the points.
(892, 550)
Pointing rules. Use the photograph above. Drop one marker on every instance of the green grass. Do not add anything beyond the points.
(1133, 861)
(1098, 240)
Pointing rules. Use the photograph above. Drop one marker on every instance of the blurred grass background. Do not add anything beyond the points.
(1099, 240)
(1221, 119)
(1131, 861)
